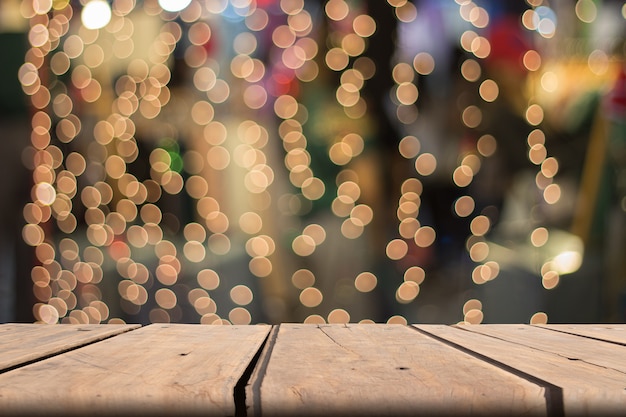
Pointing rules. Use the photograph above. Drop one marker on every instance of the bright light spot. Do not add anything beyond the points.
(364, 25)
(464, 206)
(339, 316)
(314, 319)
(406, 13)
(479, 251)
(407, 291)
(239, 315)
(586, 10)
(550, 280)
(96, 14)
(544, 20)
(173, 5)
(311, 297)
(472, 116)
(529, 19)
(337, 9)
(480, 225)
(393, 320)
(534, 114)
(409, 147)
(539, 318)
(415, 274)
(539, 236)
(552, 193)
(472, 304)
(489, 90)
(47, 314)
(470, 69)
(424, 63)
(365, 282)
(302, 279)
(487, 145)
(425, 236)
(473, 316)
(425, 164)
(241, 295)
(396, 249)
(45, 193)
(567, 262)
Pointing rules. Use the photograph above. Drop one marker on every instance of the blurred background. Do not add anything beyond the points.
(267, 161)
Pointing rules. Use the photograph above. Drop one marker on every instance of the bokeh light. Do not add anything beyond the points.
(224, 162)
(96, 14)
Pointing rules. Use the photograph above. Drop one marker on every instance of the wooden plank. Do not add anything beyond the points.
(163, 369)
(24, 343)
(581, 387)
(572, 347)
(615, 333)
(381, 370)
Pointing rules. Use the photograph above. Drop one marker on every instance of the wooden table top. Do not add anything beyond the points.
(310, 370)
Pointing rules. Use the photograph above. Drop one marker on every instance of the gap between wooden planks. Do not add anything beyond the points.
(21, 343)
(165, 369)
(315, 370)
(588, 373)
(441, 370)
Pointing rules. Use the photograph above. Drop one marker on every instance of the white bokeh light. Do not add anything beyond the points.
(96, 14)
(174, 5)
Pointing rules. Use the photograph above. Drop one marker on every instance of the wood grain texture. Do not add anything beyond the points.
(615, 333)
(155, 370)
(572, 347)
(383, 370)
(24, 343)
(582, 388)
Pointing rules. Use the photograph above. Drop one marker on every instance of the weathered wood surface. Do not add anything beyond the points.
(23, 343)
(572, 347)
(615, 333)
(381, 370)
(155, 370)
(575, 386)
(307, 370)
